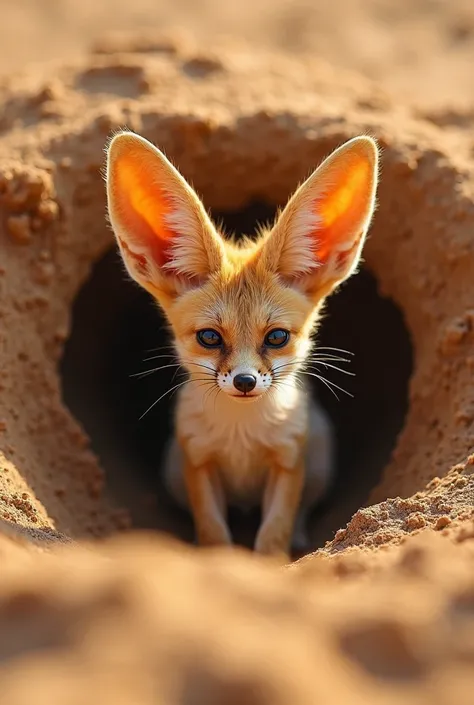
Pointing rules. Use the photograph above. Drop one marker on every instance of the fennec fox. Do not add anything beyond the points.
(241, 317)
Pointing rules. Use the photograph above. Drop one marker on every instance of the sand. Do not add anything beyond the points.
(90, 611)
(423, 49)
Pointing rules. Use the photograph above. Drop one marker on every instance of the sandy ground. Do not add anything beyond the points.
(423, 49)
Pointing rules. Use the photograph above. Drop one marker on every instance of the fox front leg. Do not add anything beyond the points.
(280, 505)
(207, 505)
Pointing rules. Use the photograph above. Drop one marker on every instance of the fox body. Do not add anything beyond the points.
(242, 316)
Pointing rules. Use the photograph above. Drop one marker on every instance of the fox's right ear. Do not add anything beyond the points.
(317, 241)
(165, 236)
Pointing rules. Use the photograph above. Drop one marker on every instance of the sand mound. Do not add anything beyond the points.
(141, 621)
(144, 621)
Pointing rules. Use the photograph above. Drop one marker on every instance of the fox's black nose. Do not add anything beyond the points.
(245, 383)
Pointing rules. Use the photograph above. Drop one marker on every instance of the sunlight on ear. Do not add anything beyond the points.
(354, 186)
(146, 199)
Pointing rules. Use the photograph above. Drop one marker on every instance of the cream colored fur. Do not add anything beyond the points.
(272, 446)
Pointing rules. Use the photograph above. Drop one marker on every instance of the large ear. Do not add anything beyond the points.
(164, 234)
(317, 241)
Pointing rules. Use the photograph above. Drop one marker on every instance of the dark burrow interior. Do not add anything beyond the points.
(116, 326)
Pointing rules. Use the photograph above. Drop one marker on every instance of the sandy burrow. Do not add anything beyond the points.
(116, 617)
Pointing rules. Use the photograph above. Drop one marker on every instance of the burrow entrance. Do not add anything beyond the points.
(116, 326)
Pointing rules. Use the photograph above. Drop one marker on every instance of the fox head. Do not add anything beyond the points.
(242, 315)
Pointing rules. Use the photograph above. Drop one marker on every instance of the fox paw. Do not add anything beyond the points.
(300, 544)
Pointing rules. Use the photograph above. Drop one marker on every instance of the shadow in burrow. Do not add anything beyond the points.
(116, 326)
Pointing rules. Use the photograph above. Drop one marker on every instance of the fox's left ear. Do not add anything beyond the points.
(166, 239)
(317, 241)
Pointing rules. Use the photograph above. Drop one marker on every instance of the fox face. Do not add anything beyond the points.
(242, 315)
(246, 330)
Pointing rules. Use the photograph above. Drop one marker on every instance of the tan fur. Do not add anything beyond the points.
(272, 446)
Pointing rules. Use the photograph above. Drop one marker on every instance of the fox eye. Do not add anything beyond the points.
(209, 338)
(277, 338)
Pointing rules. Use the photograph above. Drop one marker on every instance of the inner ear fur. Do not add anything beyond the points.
(318, 238)
(165, 236)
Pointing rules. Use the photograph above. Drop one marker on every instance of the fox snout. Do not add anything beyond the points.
(244, 382)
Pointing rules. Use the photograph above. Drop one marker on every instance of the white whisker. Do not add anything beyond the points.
(334, 367)
(327, 382)
(340, 350)
(168, 391)
(155, 369)
(172, 389)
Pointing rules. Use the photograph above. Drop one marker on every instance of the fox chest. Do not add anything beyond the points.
(242, 453)
(241, 460)
(242, 463)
